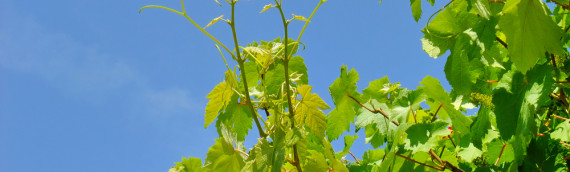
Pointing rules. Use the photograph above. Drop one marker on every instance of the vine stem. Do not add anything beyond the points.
(243, 75)
(357, 161)
(417, 162)
(379, 110)
(287, 85)
(566, 6)
(241, 152)
(436, 111)
(445, 164)
(500, 154)
(564, 143)
(502, 42)
(559, 117)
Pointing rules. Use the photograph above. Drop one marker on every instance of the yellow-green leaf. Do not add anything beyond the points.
(530, 32)
(219, 97)
(214, 21)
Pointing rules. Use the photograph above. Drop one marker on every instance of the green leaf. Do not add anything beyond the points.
(259, 157)
(297, 66)
(237, 118)
(377, 127)
(302, 18)
(470, 153)
(266, 7)
(526, 94)
(495, 148)
(348, 140)
(423, 137)
(436, 46)
(459, 70)
(275, 79)
(482, 7)
(222, 157)
(188, 165)
(530, 32)
(215, 20)
(416, 9)
(308, 109)
(315, 162)
(562, 131)
(217, 2)
(380, 89)
(252, 73)
(219, 97)
(339, 119)
(433, 89)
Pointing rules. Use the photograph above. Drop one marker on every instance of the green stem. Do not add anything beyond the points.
(305, 26)
(287, 86)
(244, 79)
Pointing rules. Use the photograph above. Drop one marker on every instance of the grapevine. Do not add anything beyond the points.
(507, 59)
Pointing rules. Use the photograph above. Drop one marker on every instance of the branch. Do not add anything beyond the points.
(502, 42)
(446, 164)
(354, 157)
(434, 115)
(500, 154)
(243, 75)
(409, 159)
(448, 136)
(565, 144)
(241, 152)
(287, 84)
(566, 6)
(559, 117)
(553, 60)
(376, 111)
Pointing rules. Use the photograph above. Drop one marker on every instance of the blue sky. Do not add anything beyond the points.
(96, 86)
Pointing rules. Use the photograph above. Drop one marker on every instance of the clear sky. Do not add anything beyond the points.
(96, 86)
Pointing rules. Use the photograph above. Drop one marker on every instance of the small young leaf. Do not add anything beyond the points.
(302, 18)
(266, 7)
(218, 3)
(214, 21)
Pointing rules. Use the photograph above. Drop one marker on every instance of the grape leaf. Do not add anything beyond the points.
(315, 162)
(222, 157)
(562, 131)
(423, 137)
(470, 153)
(296, 65)
(338, 120)
(308, 109)
(188, 165)
(522, 100)
(348, 140)
(219, 97)
(259, 157)
(237, 118)
(530, 32)
(416, 9)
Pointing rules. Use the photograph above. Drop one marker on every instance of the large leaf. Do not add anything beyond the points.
(530, 32)
(520, 101)
(339, 119)
(309, 111)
